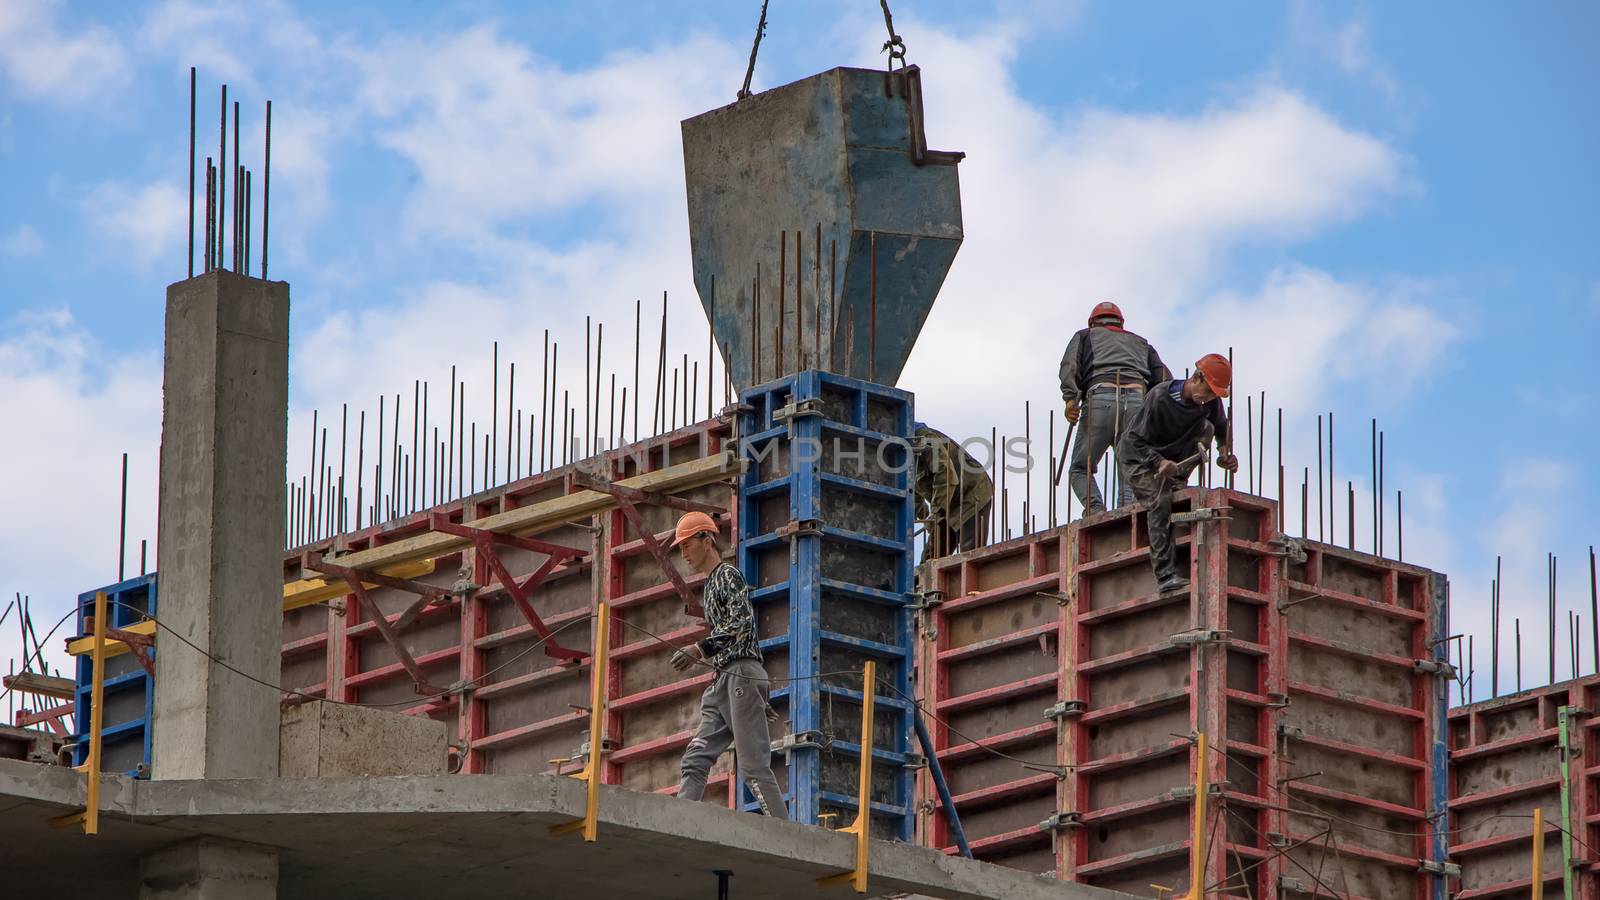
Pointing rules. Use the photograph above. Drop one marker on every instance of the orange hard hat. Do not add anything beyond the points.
(691, 524)
(1217, 372)
(1105, 309)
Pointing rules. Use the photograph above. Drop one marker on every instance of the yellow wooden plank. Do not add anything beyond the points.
(545, 516)
(113, 648)
(310, 591)
(43, 685)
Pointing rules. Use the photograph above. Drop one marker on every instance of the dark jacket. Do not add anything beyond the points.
(1106, 354)
(1165, 428)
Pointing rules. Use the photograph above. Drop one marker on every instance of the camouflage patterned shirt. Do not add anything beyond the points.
(731, 617)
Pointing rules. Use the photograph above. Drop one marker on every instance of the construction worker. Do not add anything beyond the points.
(1167, 439)
(1104, 376)
(953, 493)
(734, 709)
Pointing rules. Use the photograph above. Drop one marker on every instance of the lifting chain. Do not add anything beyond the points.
(895, 46)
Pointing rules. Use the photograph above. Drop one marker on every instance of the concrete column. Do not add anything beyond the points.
(209, 869)
(221, 526)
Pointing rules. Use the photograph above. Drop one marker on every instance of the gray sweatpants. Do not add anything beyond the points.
(1103, 418)
(733, 710)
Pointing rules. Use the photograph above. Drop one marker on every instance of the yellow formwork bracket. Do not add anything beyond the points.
(90, 815)
(590, 776)
(1538, 853)
(861, 827)
(1197, 851)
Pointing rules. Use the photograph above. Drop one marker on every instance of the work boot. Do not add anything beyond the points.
(1172, 583)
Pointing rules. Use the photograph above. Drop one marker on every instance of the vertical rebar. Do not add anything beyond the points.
(377, 468)
(661, 368)
(344, 437)
(238, 180)
(638, 321)
(587, 356)
(872, 315)
(599, 364)
(783, 283)
(222, 164)
(1374, 483)
(1552, 619)
(1350, 515)
(493, 432)
(1332, 506)
(799, 318)
(211, 190)
(191, 171)
(266, 190)
(1321, 517)
(1516, 624)
(361, 461)
(1594, 612)
(512, 416)
(122, 523)
(833, 299)
(1249, 446)
(1380, 495)
(711, 344)
(1400, 525)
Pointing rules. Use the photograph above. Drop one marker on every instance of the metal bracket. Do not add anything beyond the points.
(1435, 667)
(1060, 598)
(1202, 514)
(1198, 636)
(925, 599)
(1276, 700)
(1439, 869)
(1276, 839)
(797, 409)
(915, 761)
(1066, 709)
(1291, 732)
(1285, 883)
(799, 528)
(1061, 821)
(1291, 549)
(799, 740)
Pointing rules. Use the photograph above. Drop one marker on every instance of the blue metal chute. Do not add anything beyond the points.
(822, 190)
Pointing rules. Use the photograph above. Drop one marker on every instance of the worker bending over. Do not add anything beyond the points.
(733, 710)
(1104, 375)
(953, 491)
(1167, 439)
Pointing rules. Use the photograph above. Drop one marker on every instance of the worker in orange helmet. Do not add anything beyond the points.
(734, 709)
(1104, 376)
(1167, 439)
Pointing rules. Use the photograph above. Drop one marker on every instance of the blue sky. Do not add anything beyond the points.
(1388, 210)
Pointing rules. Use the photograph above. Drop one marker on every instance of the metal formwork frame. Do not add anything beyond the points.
(777, 414)
(1514, 726)
(127, 602)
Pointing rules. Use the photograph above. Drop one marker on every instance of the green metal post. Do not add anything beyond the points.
(1563, 717)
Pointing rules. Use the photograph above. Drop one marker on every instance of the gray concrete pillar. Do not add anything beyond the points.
(209, 869)
(221, 526)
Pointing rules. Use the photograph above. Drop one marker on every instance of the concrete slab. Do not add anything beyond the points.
(453, 835)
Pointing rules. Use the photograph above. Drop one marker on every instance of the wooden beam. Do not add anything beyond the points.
(310, 591)
(545, 516)
(113, 648)
(43, 685)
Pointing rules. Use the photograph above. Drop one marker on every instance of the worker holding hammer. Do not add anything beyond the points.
(1166, 440)
(1104, 376)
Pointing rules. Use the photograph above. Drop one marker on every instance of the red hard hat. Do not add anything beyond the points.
(1105, 309)
(1217, 372)
(691, 524)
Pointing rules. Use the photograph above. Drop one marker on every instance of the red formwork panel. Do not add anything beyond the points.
(1505, 761)
(989, 673)
(1290, 662)
(527, 712)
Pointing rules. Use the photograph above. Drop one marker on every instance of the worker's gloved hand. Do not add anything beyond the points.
(772, 714)
(685, 657)
(1229, 462)
(1167, 470)
(1072, 411)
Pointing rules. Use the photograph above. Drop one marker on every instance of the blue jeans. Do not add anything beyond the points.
(1102, 419)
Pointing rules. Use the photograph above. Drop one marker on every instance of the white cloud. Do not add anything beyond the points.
(22, 242)
(45, 62)
(496, 132)
(149, 219)
(75, 408)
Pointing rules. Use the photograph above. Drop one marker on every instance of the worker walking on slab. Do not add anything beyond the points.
(954, 493)
(1104, 376)
(734, 709)
(1167, 439)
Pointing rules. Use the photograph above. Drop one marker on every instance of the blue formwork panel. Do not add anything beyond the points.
(825, 519)
(129, 692)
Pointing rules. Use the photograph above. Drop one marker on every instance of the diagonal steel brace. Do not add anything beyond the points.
(484, 541)
(654, 498)
(625, 502)
(356, 578)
